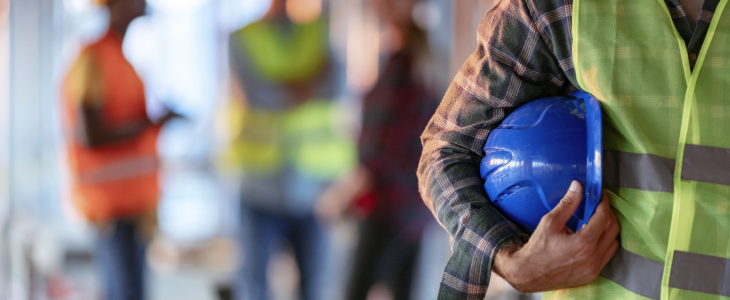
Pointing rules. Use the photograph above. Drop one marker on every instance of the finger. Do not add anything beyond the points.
(598, 222)
(610, 211)
(609, 253)
(567, 206)
(610, 233)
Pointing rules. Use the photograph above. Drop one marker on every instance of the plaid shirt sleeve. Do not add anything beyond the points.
(523, 54)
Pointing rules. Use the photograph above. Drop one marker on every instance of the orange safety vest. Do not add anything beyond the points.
(120, 179)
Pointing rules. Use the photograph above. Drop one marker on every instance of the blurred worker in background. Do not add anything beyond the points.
(385, 187)
(284, 140)
(112, 153)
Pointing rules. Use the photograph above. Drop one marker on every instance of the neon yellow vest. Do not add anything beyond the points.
(666, 150)
(285, 57)
(317, 148)
(305, 136)
(282, 58)
(257, 139)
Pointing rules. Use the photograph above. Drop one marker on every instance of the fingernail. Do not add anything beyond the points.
(574, 186)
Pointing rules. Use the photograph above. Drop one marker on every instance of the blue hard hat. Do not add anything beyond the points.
(537, 151)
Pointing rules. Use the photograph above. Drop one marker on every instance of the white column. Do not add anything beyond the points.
(4, 138)
(467, 14)
(29, 131)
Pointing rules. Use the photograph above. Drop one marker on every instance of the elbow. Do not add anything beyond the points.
(93, 144)
(425, 174)
(87, 142)
(428, 162)
(88, 139)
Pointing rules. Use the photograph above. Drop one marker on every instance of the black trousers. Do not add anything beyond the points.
(382, 256)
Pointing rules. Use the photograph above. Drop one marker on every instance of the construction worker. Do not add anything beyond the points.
(659, 70)
(112, 153)
(391, 215)
(285, 144)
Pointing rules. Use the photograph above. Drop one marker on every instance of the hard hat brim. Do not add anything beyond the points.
(594, 166)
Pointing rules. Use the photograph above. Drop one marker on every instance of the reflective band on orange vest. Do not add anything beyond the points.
(690, 271)
(119, 170)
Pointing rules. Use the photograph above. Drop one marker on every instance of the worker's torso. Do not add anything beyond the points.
(288, 148)
(119, 179)
(666, 150)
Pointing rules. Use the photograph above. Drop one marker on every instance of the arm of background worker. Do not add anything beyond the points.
(93, 131)
(236, 89)
(335, 201)
(512, 65)
(240, 73)
(323, 84)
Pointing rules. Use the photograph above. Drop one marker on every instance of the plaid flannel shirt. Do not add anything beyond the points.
(523, 54)
(394, 112)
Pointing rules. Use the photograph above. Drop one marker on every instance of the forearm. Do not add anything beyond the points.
(503, 254)
(125, 132)
(94, 131)
(110, 136)
(452, 188)
(450, 184)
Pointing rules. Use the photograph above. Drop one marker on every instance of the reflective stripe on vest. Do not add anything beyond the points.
(641, 171)
(317, 148)
(706, 164)
(304, 137)
(648, 172)
(635, 273)
(120, 170)
(690, 271)
(667, 153)
(256, 139)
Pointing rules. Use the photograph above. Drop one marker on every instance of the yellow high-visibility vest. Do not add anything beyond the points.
(666, 149)
(305, 136)
(284, 57)
(317, 148)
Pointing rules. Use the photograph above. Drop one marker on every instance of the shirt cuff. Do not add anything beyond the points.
(468, 271)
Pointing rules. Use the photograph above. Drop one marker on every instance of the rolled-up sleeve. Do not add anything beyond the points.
(513, 64)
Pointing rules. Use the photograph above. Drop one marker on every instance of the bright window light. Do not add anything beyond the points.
(177, 5)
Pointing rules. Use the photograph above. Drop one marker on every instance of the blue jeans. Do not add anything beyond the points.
(120, 255)
(264, 234)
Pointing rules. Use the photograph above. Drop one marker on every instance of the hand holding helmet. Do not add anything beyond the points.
(530, 159)
(556, 257)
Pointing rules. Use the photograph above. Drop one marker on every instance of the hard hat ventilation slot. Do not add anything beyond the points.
(494, 159)
(526, 122)
(508, 192)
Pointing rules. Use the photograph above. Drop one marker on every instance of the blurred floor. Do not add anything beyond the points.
(197, 273)
(188, 284)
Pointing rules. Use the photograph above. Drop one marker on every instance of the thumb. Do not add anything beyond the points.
(567, 206)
